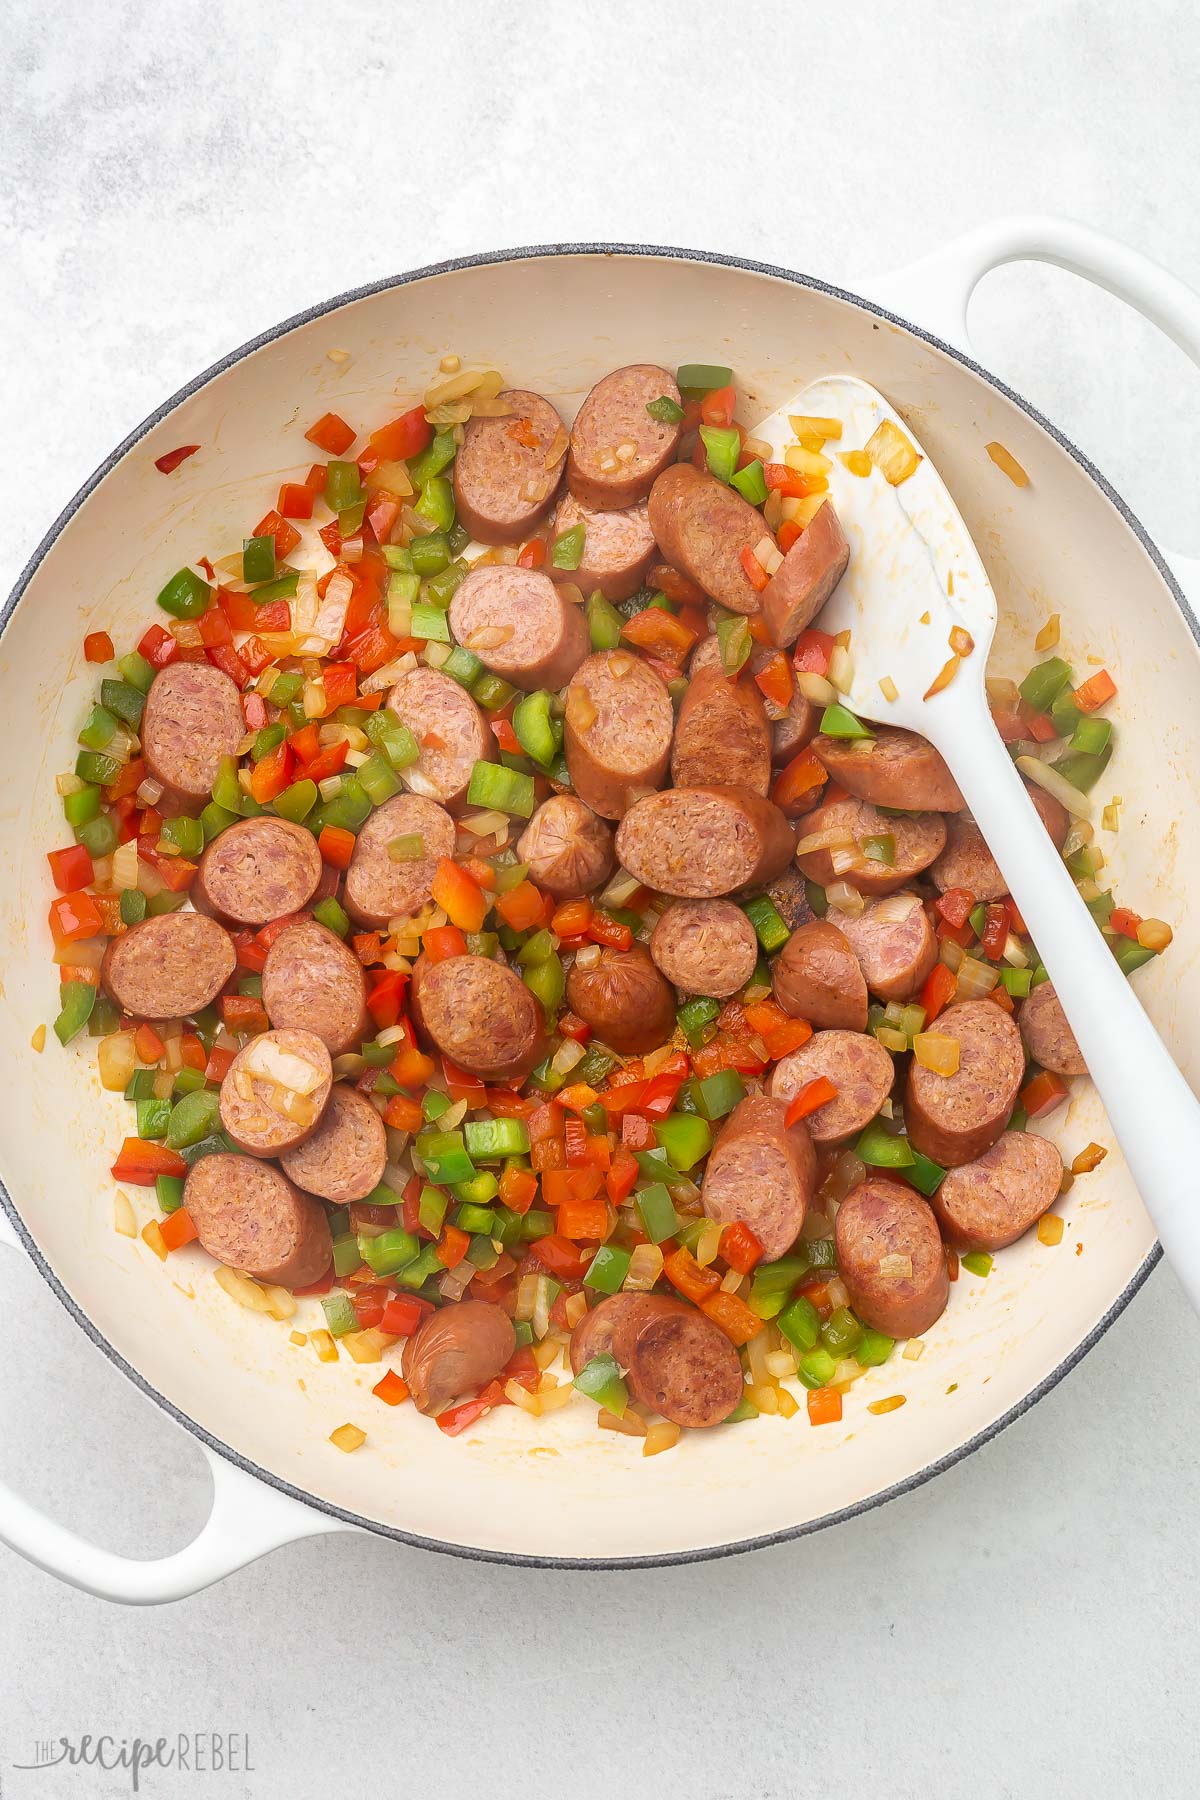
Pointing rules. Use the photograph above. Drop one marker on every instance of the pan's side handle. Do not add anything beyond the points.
(247, 1520)
(936, 292)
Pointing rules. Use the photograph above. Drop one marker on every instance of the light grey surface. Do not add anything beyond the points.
(174, 179)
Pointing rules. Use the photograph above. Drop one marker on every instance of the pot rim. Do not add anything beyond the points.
(528, 1559)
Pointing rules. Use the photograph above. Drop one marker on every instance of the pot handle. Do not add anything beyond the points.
(247, 1520)
(936, 291)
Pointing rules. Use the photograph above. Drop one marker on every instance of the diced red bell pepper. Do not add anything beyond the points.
(157, 646)
(609, 932)
(1124, 920)
(243, 1012)
(98, 647)
(938, 991)
(331, 434)
(956, 906)
(273, 774)
(775, 680)
(403, 1313)
(812, 651)
(461, 1084)
(70, 868)
(718, 407)
(995, 931)
(443, 941)
(74, 916)
(386, 998)
(740, 1247)
(403, 437)
(558, 1256)
(684, 1273)
(326, 762)
(799, 781)
(178, 1229)
(459, 1418)
(532, 555)
(336, 846)
(170, 461)
(1043, 1094)
(817, 1092)
(273, 524)
(296, 500)
(391, 1388)
(141, 1162)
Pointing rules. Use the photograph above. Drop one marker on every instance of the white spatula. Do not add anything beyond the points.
(911, 556)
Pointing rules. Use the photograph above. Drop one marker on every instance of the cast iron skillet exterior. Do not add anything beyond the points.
(712, 1552)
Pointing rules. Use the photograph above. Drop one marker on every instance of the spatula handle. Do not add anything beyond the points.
(1153, 1112)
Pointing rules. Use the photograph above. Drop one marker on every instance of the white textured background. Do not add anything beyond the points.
(173, 179)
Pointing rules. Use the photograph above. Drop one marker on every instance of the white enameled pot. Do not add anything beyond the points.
(556, 1491)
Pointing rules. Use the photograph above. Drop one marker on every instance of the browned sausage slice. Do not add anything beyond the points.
(990, 1202)
(619, 722)
(891, 1258)
(701, 526)
(519, 625)
(379, 886)
(789, 895)
(894, 768)
(859, 1068)
(595, 1333)
(192, 718)
(256, 870)
(894, 943)
(792, 729)
(456, 1351)
(684, 1367)
(275, 1091)
(250, 1216)
(762, 1173)
(1048, 1036)
(479, 1014)
(168, 967)
(450, 730)
(700, 843)
(806, 577)
(721, 735)
(966, 862)
(569, 849)
(817, 977)
(617, 447)
(618, 547)
(955, 1118)
(624, 999)
(508, 469)
(313, 981)
(845, 824)
(706, 947)
(344, 1159)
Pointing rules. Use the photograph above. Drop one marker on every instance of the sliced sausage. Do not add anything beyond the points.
(917, 842)
(894, 943)
(619, 722)
(450, 730)
(617, 447)
(508, 469)
(275, 1091)
(761, 1172)
(192, 718)
(568, 848)
(598, 1329)
(859, 1068)
(883, 1219)
(313, 981)
(701, 526)
(519, 625)
(806, 577)
(455, 1352)
(624, 999)
(705, 947)
(250, 1216)
(378, 887)
(789, 896)
(479, 1014)
(992, 1201)
(682, 1365)
(169, 967)
(256, 870)
(817, 977)
(966, 862)
(721, 735)
(1048, 1036)
(699, 843)
(618, 547)
(344, 1159)
(894, 768)
(955, 1118)
(790, 732)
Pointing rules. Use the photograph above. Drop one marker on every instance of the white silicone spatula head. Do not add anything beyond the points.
(914, 574)
(914, 578)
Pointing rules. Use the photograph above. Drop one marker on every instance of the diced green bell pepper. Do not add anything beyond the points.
(445, 1157)
(506, 790)
(767, 921)
(76, 1000)
(840, 722)
(751, 482)
(718, 1094)
(185, 596)
(883, 1149)
(194, 1117)
(1045, 682)
(604, 622)
(168, 1192)
(127, 701)
(600, 1379)
(685, 1139)
(487, 1140)
(258, 555)
(608, 1269)
(437, 503)
(659, 1218)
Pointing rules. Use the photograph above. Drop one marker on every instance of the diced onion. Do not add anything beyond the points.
(661, 1436)
(841, 670)
(893, 909)
(1050, 1229)
(588, 956)
(975, 979)
(834, 838)
(759, 447)
(266, 1059)
(581, 711)
(943, 678)
(768, 554)
(1008, 464)
(620, 890)
(1154, 934)
(348, 1437)
(708, 1244)
(123, 1215)
(1013, 953)
(1075, 802)
(888, 688)
(1047, 638)
(891, 452)
(856, 461)
(1088, 1159)
(408, 848)
(886, 1406)
(488, 637)
(630, 1424)
(810, 425)
(846, 898)
(914, 1350)
(241, 1288)
(895, 1267)
(150, 792)
(815, 688)
(125, 863)
(806, 462)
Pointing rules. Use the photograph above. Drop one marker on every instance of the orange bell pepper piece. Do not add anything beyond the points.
(178, 1229)
(813, 1094)
(734, 1317)
(684, 1273)
(824, 1406)
(460, 896)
